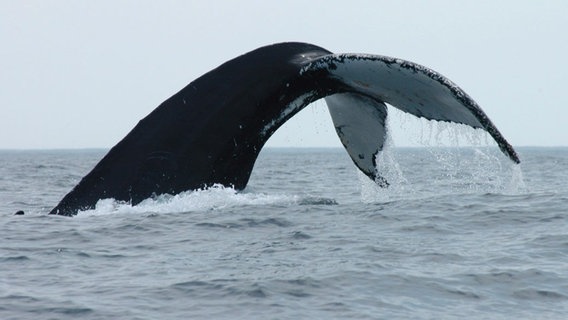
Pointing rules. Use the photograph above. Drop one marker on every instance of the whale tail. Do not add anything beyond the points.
(370, 81)
(212, 131)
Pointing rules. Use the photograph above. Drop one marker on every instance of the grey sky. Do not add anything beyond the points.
(78, 74)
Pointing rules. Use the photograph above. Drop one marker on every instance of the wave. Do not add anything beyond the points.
(214, 198)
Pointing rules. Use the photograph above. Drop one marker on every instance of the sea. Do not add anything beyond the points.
(461, 233)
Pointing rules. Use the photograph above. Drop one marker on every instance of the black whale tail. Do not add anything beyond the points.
(213, 129)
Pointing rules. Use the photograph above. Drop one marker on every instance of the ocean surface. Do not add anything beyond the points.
(461, 233)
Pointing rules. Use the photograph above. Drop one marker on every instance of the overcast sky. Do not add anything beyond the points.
(81, 74)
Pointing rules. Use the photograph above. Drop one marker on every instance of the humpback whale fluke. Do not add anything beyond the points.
(212, 131)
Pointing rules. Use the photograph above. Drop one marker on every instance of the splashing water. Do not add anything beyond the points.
(216, 197)
(387, 168)
(517, 183)
(460, 160)
(213, 198)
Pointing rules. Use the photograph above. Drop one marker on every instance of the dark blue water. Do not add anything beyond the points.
(461, 234)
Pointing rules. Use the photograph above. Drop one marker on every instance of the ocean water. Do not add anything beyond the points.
(461, 233)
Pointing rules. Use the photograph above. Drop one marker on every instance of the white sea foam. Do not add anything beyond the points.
(214, 198)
